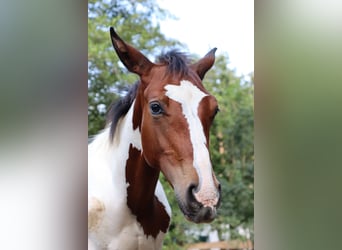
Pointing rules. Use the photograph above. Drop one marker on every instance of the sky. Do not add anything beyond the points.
(225, 24)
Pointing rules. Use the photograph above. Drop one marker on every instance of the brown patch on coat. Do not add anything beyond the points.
(141, 199)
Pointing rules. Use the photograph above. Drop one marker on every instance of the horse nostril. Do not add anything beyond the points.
(191, 192)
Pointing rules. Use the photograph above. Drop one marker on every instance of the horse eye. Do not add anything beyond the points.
(155, 108)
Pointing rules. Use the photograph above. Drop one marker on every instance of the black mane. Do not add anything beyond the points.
(121, 107)
(177, 63)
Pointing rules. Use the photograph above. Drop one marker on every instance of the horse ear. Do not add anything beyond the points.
(204, 64)
(133, 59)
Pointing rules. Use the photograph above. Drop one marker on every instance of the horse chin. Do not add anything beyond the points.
(197, 213)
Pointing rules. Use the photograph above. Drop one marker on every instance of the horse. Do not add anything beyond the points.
(161, 125)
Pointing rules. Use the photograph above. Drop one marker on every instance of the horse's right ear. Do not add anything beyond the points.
(133, 59)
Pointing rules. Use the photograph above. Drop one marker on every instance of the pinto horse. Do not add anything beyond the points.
(162, 125)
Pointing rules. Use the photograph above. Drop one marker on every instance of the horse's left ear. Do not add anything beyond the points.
(204, 64)
(132, 58)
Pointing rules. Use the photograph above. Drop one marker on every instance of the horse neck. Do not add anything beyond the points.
(132, 178)
(141, 179)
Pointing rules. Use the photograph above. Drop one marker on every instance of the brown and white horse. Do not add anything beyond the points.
(162, 125)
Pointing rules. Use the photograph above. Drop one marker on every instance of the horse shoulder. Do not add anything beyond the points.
(111, 224)
(106, 196)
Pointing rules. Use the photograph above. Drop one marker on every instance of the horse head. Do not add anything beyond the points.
(173, 112)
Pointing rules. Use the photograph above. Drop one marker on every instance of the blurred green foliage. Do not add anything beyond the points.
(231, 141)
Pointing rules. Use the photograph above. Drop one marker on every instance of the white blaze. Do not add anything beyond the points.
(189, 96)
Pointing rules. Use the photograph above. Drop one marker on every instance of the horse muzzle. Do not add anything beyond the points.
(199, 211)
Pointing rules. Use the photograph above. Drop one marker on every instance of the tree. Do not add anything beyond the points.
(232, 147)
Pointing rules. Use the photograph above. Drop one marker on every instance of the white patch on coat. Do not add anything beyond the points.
(189, 97)
(112, 225)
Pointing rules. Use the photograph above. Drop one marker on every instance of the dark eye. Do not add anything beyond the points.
(156, 108)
